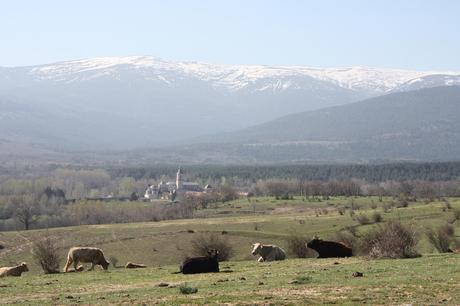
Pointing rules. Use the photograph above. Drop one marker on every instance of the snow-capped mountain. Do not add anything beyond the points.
(125, 102)
(231, 77)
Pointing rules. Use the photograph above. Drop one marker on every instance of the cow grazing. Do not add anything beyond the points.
(203, 264)
(94, 256)
(132, 265)
(268, 252)
(327, 249)
(13, 271)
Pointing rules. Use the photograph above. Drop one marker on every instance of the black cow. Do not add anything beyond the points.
(201, 264)
(328, 249)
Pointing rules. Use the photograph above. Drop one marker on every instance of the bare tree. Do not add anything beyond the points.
(26, 212)
(46, 255)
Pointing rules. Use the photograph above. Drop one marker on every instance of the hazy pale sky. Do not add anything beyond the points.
(421, 35)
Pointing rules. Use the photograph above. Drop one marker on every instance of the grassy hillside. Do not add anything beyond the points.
(262, 219)
(161, 245)
(431, 279)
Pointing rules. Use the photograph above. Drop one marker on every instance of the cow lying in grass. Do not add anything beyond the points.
(94, 256)
(327, 249)
(132, 265)
(268, 252)
(13, 271)
(203, 264)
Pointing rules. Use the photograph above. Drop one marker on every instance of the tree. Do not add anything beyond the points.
(227, 193)
(133, 196)
(26, 212)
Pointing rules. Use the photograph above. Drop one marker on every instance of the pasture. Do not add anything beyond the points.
(430, 279)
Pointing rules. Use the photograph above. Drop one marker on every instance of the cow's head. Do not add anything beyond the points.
(24, 267)
(256, 248)
(105, 264)
(312, 244)
(214, 254)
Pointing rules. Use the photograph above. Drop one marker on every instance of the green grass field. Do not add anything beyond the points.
(430, 279)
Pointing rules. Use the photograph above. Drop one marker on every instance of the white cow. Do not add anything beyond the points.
(94, 256)
(14, 271)
(268, 252)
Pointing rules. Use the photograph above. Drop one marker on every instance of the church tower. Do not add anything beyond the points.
(179, 179)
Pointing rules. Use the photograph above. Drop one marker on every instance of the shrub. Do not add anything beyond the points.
(185, 289)
(441, 238)
(206, 242)
(355, 206)
(352, 214)
(402, 203)
(352, 230)
(45, 254)
(447, 205)
(296, 245)
(456, 214)
(392, 240)
(386, 208)
(286, 196)
(341, 210)
(377, 217)
(363, 220)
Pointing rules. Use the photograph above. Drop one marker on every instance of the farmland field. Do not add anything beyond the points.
(430, 279)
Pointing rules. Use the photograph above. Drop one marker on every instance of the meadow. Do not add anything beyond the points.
(430, 279)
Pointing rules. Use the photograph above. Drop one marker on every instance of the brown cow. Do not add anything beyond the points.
(327, 249)
(95, 256)
(13, 271)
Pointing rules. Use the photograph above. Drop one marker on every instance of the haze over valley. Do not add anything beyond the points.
(142, 102)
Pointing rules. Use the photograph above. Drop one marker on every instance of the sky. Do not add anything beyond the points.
(410, 34)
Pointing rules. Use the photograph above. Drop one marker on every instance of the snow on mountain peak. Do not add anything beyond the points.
(232, 77)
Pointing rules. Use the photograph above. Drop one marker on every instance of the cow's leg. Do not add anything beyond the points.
(75, 265)
(67, 264)
(261, 259)
(92, 266)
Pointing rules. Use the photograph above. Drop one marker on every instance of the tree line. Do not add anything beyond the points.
(428, 171)
(57, 196)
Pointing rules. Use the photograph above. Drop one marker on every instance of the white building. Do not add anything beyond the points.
(179, 187)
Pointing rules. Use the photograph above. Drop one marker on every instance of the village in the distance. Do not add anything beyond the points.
(198, 152)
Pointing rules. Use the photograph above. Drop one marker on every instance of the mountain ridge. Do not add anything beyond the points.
(123, 103)
(223, 75)
(416, 125)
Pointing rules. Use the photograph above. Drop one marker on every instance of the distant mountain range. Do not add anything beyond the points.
(137, 102)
